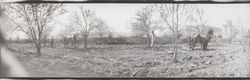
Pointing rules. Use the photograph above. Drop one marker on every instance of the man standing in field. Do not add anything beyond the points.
(152, 37)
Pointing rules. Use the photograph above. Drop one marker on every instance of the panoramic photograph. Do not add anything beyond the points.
(125, 40)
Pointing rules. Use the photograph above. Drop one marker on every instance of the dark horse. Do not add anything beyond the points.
(199, 39)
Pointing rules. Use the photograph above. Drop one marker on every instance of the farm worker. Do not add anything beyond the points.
(152, 36)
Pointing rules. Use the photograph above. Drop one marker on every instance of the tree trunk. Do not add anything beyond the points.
(85, 44)
(85, 41)
(205, 45)
(152, 38)
(175, 47)
(152, 42)
(38, 49)
(174, 56)
(148, 41)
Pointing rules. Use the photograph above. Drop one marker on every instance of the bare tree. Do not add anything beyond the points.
(175, 16)
(86, 21)
(230, 30)
(36, 18)
(200, 21)
(146, 25)
(243, 34)
(102, 29)
(45, 35)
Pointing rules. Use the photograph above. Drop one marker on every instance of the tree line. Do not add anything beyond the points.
(36, 21)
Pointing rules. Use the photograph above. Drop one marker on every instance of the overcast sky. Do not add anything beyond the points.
(119, 16)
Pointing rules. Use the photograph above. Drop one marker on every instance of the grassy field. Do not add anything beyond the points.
(224, 60)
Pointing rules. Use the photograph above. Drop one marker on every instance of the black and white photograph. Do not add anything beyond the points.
(125, 40)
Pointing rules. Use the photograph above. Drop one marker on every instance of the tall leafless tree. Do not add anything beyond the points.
(175, 16)
(102, 30)
(45, 36)
(86, 21)
(146, 25)
(243, 34)
(230, 30)
(200, 21)
(36, 18)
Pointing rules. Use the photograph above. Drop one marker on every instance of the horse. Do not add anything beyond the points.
(199, 39)
(70, 41)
